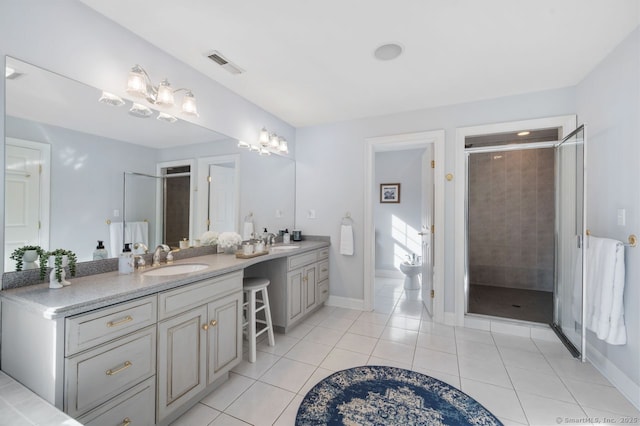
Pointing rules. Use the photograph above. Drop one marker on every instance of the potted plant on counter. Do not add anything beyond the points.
(58, 260)
(26, 257)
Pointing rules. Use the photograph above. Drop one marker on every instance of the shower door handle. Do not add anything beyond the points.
(579, 241)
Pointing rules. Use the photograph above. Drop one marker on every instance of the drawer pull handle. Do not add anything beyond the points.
(205, 327)
(126, 421)
(213, 323)
(324, 291)
(120, 322)
(124, 366)
(324, 269)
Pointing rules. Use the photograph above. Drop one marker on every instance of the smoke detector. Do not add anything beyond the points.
(217, 57)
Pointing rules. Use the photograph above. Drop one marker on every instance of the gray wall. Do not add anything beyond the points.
(609, 102)
(330, 171)
(397, 225)
(511, 219)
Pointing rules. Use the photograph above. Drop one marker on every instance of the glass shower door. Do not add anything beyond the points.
(570, 232)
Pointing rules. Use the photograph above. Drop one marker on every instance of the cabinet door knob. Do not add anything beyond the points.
(213, 323)
(205, 327)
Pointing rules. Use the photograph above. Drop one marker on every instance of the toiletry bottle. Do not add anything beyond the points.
(264, 234)
(125, 261)
(100, 252)
(286, 238)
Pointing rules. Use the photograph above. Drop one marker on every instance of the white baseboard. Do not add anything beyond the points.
(449, 318)
(345, 302)
(389, 273)
(612, 373)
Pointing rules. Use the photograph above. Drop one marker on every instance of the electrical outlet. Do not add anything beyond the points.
(622, 217)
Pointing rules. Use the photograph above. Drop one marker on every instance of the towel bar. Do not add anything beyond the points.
(633, 240)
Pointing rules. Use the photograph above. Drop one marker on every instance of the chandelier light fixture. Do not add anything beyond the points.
(140, 85)
(267, 144)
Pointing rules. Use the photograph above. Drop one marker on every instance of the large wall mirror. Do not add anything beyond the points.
(67, 155)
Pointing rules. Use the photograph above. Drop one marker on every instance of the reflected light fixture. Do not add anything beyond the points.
(264, 137)
(140, 111)
(139, 84)
(163, 116)
(524, 133)
(274, 141)
(242, 144)
(111, 99)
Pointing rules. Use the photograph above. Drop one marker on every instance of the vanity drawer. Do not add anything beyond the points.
(323, 270)
(302, 260)
(135, 407)
(176, 301)
(323, 291)
(323, 253)
(89, 330)
(98, 375)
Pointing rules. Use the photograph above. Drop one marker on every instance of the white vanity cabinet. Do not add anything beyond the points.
(199, 339)
(307, 278)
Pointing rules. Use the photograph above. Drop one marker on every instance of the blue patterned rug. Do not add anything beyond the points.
(374, 395)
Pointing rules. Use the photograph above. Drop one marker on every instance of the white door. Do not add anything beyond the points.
(426, 231)
(22, 199)
(222, 198)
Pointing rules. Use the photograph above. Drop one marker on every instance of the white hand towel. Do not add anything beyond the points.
(115, 238)
(139, 232)
(346, 240)
(605, 289)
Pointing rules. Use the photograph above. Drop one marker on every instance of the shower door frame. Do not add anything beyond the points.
(580, 236)
(483, 150)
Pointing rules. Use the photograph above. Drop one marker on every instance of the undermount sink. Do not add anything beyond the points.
(175, 269)
(284, 247)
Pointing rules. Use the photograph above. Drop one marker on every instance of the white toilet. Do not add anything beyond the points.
(412, 275)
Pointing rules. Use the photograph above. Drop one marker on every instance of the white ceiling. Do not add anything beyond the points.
(311, 62)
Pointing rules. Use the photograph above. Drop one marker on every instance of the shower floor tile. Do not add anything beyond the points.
(505, 302)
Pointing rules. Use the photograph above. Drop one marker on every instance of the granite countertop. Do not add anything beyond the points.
(19, 406)
(96, 291)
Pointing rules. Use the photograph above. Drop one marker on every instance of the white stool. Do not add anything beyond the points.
(251, 286)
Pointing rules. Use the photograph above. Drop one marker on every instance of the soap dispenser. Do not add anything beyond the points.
(100, 252)
(125, 261)
(286, 238)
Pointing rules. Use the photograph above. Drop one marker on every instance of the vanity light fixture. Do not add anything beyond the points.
(139, 84)
(268, 143)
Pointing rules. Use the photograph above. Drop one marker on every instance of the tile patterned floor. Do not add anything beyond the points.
(522, 381)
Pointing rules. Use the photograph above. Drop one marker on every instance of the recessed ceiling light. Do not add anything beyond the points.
(387, 52)
(525, 133)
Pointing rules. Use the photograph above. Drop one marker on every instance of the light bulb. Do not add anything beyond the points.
(189, 104)
(264, 137)
(136, 84)
(165, 94)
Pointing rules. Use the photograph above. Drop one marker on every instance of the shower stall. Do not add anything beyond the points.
(525, 220)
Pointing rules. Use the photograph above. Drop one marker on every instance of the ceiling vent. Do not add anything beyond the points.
(217, 57)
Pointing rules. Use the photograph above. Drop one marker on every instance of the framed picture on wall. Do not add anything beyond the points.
(389, 192)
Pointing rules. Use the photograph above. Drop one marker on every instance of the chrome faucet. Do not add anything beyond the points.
(271, 239)
(156, 253)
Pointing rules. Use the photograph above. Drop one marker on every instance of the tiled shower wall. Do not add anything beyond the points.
(511, 219)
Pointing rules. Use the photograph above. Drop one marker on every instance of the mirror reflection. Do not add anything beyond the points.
(66, 155)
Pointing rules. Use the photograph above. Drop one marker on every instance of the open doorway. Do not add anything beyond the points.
(511, 223)
(407, 236)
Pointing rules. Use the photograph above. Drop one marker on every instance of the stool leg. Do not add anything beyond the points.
(267, 313)
(252, 326)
